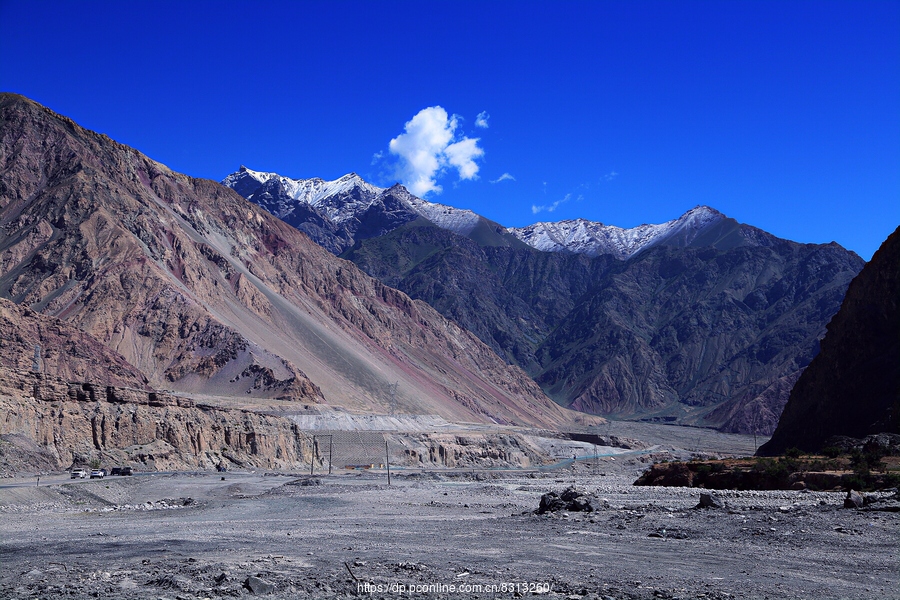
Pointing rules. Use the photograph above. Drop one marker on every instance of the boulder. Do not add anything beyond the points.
(551, 502)
(258, 586)
(854, 500)
(570, 499)
(710, 500)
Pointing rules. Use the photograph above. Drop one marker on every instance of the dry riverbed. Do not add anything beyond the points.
(456, 534)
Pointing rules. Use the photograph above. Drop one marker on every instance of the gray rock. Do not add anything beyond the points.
(551, 502)
(854, 500)
(710, 500)
(571, 499)
(259, 586)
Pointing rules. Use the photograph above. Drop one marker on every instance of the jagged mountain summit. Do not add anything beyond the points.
(336, 214)
(700, 226)
(203, 292)
(700, 320)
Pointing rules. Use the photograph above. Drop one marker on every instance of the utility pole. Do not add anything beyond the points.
(330, 448)
(387, 460)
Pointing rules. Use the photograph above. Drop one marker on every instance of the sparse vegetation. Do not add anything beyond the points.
(860, 470)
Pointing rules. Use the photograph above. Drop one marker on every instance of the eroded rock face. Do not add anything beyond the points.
(80, 422)
(471, 450)
(852, 388)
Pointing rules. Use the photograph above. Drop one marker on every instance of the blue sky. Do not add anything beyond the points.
(784, 115)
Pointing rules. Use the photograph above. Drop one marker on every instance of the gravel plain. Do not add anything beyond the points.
(433, 534)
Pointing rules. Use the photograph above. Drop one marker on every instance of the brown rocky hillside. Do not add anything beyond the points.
(205, 293)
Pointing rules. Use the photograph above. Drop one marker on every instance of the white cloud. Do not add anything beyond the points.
(609, 176)
(429, 146)
(535, 209)
(482, 120)
(504, 177)
(462, 155)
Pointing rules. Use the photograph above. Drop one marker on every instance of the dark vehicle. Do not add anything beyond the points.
(127, 471)
(116, 471)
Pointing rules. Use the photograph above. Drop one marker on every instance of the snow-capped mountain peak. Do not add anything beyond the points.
(580, 236)
(344, 200)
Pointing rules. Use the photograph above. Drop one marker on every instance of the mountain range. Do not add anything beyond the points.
(190, 288)
(700, 320)
(391, 301)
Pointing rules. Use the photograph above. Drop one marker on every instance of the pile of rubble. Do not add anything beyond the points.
(571, 500)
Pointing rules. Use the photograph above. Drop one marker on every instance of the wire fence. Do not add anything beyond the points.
(345, 450)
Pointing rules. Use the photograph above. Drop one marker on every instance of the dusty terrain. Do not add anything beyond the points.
(287, 535)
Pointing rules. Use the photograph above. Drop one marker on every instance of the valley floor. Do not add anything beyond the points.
(350, 535)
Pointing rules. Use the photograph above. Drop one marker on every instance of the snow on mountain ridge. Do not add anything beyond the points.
(457, 220)
(593, 238)
(349, 197)
(339, 202)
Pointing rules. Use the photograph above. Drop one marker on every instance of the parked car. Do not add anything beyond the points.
(127, 471)
(116, 471)
(98, 474)
(79, 474)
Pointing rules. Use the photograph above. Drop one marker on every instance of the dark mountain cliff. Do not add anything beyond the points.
(204, 292)
(676, 332)
(852, 387)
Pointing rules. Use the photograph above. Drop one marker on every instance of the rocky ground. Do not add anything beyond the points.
(349, 535)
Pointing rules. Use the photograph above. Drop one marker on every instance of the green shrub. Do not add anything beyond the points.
(832, 451)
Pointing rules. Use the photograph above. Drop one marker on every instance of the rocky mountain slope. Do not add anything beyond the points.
(63, 350)
(206, 293)
(693, 335)
(699, 320)
(698, 335)
(852, 388)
